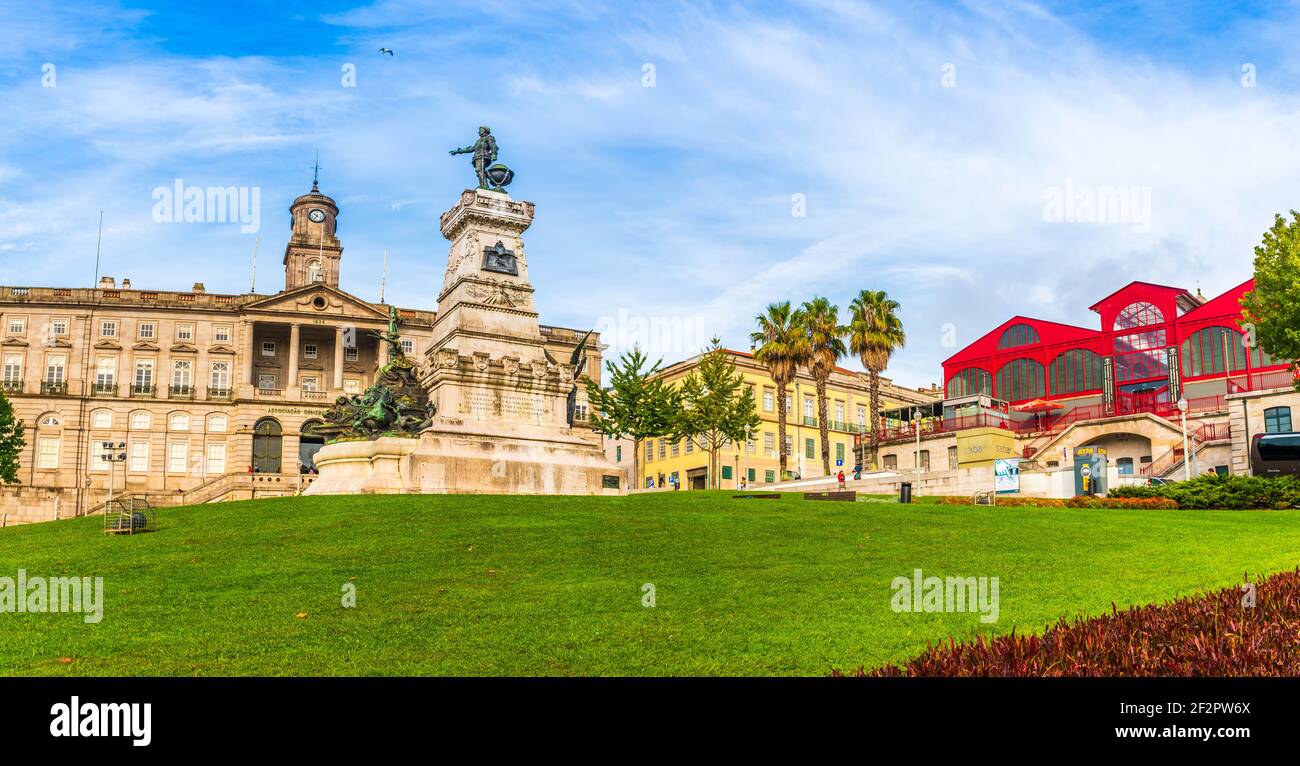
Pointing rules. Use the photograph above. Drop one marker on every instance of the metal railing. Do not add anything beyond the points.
(180, 392)
(142, 391)
(103, 389)
(12, 386)
(54, 387)
(218, 394)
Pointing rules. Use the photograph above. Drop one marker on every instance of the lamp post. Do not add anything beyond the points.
(1187, 458)
(916, 455)
(116, 453)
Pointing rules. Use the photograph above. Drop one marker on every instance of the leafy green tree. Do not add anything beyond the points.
(875, 332)
(11, 441)
(1273, 307)
(821, 323)
(782, 347)
(638, 403)
(717, 407)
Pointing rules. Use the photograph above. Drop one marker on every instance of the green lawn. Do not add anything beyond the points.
(550, 585)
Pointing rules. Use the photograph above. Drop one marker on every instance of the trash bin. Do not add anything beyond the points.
(905, 492)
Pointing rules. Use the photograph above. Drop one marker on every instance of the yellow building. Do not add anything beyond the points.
(665, 463)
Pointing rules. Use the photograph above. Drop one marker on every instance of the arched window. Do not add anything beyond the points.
(140, 420)
(217, 423)
(49, 440)
(1138, 315)
(1074, 371)
(179, 421)
(1020, 379)
(267, 443)
(1018, 335)
(970, 381)
(1213, 350)
(314, 271)
(101, 419)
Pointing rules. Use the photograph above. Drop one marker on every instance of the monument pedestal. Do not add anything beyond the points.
(502, 422)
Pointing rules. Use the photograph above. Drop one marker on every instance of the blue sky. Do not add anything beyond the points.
(671, 203)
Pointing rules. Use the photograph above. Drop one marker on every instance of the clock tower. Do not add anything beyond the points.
(313, 252)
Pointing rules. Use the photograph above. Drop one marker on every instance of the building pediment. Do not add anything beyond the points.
(108, 344)
(310, 366)
(317, 300)
(12, 341)
(183, 348)
(221, 348)
(145, 345)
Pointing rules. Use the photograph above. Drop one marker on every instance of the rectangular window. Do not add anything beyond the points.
(268, 348)
(17, 325)
(925, 460)
(663, 449)
(789, 444)
(351, 386)
(677, 448)
(266, 381)
(13, 370)
(138, 460)
(789, 403)
(105, 372)
(769, 399)
(310, 383)
(808, 448)
(58, 327)
(309, 350)
(1277, 420)
(143, 373)
(147, 330)
(839, 451)
(181, 373)
(690, 446)
(808, 407)
(650, 451)
(220, 376)
(350, 354)
(769, 444)
(55, 372)
(47, 452)
(177, 452)
(891, 462)
(769, 476)
(185, 332)
(952, 459)
(108, 328)
(839, 412)
(216, 458)
(862, 417)
(751, 474)
(726, 472)
(618, 453)
(221, 334)
(408, 347)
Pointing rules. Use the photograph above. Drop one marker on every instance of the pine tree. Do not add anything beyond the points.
(11, 441)
(717, 407)
(638, 404)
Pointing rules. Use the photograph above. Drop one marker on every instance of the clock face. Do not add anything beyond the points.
(317, 215)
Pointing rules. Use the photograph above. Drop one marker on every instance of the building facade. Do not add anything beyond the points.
(666, 464)
(209, 396)
(1036, 390)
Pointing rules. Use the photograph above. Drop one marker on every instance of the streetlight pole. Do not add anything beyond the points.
(916, 455)
(1187, 457)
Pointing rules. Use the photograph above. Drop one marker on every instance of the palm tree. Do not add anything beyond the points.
(875, 333)
(821, 323)
(782, 347)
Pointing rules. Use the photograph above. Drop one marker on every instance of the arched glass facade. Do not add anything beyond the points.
(1074, 371)
(1140, 314)
(1212, 350)
(1018, 335)
(1020, 379)
(971, 380)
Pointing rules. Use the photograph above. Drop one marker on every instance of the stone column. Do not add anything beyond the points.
(338, 358)
(294, 330)
(250, 352)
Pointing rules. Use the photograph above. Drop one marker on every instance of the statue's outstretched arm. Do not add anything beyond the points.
(462, 150)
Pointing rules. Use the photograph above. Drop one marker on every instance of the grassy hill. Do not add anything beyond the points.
(550, 585)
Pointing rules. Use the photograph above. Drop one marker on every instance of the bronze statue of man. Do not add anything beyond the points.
(485, 153)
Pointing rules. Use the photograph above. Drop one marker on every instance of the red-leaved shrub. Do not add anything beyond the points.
(1216, 634)
(1086, 501)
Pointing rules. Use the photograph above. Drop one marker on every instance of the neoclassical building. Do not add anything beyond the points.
(209, 396)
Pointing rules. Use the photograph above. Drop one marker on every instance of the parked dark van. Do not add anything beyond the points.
(1275, 454)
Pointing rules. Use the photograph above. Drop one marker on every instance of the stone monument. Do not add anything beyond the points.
(497, 418)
